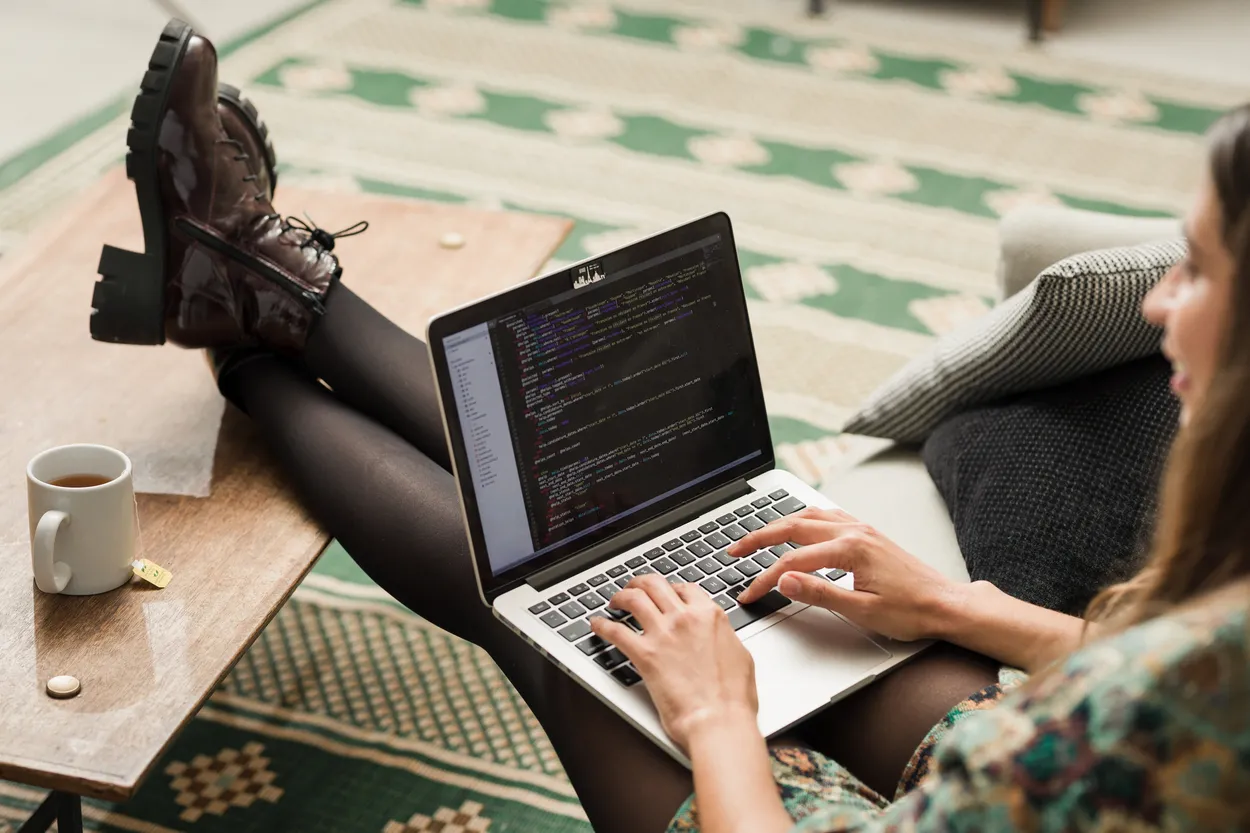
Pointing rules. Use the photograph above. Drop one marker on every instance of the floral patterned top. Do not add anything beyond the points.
(1147, 730)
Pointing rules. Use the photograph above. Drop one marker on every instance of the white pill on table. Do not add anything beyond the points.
(451, 240)
(63, 686)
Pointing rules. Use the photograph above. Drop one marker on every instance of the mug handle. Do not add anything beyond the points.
(50, 576)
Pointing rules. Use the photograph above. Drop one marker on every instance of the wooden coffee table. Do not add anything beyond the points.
(147, 659)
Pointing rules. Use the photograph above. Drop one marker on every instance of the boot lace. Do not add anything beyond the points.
(243, 156)
(319, 236)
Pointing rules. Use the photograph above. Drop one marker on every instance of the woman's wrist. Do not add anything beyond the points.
(712, 725)
(982, 618)
(962, 608)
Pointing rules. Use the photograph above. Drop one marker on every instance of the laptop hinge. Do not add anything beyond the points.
(630, 538)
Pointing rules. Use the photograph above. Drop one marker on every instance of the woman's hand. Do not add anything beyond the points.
(895, 593)
(698, 673)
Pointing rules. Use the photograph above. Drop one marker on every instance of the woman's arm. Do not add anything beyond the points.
(702, 681)
(733, 778)
(982, 618)
(899, 596)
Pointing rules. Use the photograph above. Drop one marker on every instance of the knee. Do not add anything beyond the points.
(922, 691)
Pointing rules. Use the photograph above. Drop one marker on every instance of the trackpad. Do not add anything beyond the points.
(806, 659)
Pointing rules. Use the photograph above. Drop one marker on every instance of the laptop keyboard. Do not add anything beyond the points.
(692, 555)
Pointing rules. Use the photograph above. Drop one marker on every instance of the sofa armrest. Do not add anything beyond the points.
(1033, 238)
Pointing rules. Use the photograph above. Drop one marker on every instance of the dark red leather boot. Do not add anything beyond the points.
(220, 268)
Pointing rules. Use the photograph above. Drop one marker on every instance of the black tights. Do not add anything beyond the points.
(370, 462)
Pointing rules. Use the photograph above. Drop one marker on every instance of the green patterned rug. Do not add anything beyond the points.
(865, 171)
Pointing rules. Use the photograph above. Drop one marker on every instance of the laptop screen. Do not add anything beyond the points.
(597, 407)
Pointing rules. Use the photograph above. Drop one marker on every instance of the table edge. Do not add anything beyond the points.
(123, 787)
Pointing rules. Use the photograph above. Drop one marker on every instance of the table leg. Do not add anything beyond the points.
(1036, 11)
(815, 8)
(63, 808)
(69, 814)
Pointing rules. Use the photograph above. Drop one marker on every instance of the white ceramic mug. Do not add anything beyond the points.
(82, 539)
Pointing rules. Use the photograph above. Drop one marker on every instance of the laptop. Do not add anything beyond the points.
(606, 421)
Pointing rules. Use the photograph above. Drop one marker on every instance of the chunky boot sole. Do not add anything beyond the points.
(128, 304)
(234, 97)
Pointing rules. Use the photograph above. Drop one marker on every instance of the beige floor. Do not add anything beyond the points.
(64, 58)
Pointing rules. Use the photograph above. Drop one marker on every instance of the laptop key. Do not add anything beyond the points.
(575, 631)
(610, 658)
(725, 558)
(710, 526)
(702, 548)
(761, 502)
(616, 613)
(717, 540)
(553, 619)
(635, 562)
(572, 610)
(835, 574)
(608, 591)
(789, 506)
(617, 571)
(733, 532)
(764, 559)
(673, 544)
(559, 599)
(578, 589)
(633, 623)
(751, 523)
(642, 571)
(590, 601)
(622, 581)
(654, 552)
(730, 576)
(743, 615)
(692, 574)
(727, 519)
(724, 601)
(664, 566)
(708, 565)
(747, 567)
(692, 535)
(673, 578)
(743, 511)
(713, 585)
(592, 645)
(779, 494)
(626, 676)
(780, 549)
(683, 557)
(539, 608)
(768, 515)
(595, 581)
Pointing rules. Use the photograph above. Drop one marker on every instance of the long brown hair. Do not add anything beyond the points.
(1202, 539)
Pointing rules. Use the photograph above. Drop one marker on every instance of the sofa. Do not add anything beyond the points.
(886, 484)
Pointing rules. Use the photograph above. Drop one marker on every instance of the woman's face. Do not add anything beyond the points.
(1193, 303)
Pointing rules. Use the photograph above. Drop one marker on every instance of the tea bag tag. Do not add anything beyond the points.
(151, 573)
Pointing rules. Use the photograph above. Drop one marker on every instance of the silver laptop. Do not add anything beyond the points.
(607, 420)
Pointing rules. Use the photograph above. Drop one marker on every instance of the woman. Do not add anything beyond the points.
(1142, 726)
(1143, 722)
